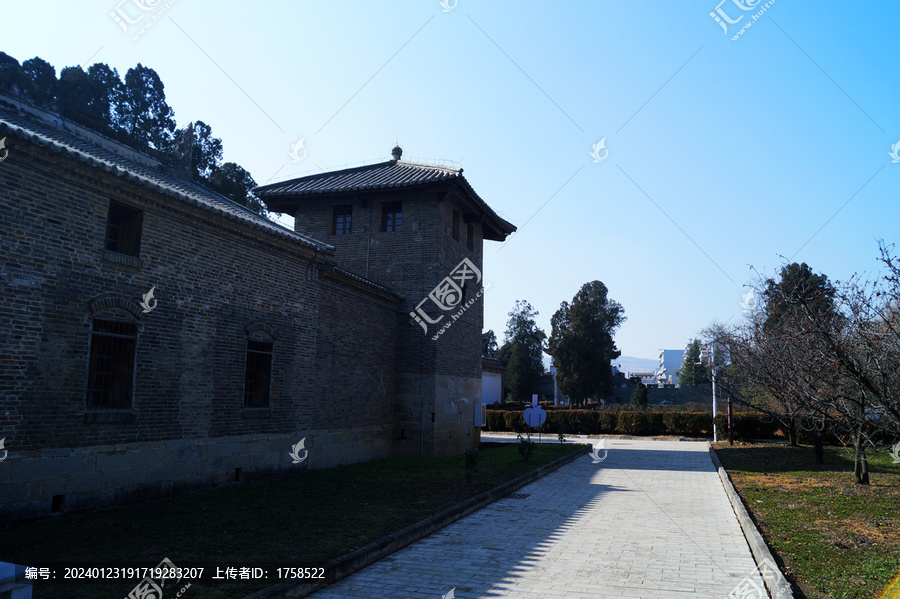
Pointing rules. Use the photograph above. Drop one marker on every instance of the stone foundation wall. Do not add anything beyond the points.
(37, 483)
(454, 430)
(448, 403)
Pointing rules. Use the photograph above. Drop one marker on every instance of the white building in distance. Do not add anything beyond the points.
(669, 364)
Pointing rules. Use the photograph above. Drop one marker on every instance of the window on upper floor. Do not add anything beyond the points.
(470, 237)
(341, 219)
(456, 225)
(111, 365)
(391, 216)
(123, 229)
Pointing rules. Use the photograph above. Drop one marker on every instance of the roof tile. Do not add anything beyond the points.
(138, 168)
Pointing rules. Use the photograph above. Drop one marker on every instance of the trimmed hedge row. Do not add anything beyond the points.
(747, 425)
(609, 407)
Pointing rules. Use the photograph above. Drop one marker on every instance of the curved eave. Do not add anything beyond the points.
(284, 197)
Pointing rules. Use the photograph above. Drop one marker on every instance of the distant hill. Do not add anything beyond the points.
(626, 363)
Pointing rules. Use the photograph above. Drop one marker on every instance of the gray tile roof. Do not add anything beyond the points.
(384, 175)
(393, 174)
(75, 142)
(363, 280)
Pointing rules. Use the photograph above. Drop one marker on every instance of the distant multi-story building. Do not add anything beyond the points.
(721, 354)
(704, 353)
(557, 396)
(648, 378)
(491, 380)
(669, 364)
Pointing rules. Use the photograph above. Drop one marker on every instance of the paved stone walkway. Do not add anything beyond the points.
(652, 520)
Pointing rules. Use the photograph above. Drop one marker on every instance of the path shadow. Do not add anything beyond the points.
(491, 552)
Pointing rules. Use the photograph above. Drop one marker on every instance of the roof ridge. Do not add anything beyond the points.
(159, 178)
(425, 165)
(343, 171)
(421, 166)
(367, 281)
(48, 118)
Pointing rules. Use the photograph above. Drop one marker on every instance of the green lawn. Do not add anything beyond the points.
(305, 519)
(837, 539)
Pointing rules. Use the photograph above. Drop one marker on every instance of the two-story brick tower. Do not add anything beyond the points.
(418, 230)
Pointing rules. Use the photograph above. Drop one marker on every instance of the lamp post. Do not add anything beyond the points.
(730, 428)
(712, 349)
(712, 356)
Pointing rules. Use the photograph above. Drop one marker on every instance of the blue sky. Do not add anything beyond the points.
(722, 153)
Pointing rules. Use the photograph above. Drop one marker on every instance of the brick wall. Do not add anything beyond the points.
(354, 359)
(214, 279)
(438, 380)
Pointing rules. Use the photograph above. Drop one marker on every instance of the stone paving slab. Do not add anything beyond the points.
(651, 521)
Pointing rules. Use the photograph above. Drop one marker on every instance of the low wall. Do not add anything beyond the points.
(35, 484)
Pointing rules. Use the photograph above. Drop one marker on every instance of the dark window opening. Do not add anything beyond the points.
(123, 229)
(391, 216)
(258, 375)
(111, 368)
(456, 225)
(342, 216)
(470, 237)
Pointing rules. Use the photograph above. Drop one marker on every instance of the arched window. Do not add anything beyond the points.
(111, 361)
(258, 372)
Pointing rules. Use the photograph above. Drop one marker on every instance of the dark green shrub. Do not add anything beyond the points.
(747, 425)
(525, 447)
(473, 458)
(698, 424)
(674, 423)
(634, 423)
(495, 421)
(607, 422)
(514, 421)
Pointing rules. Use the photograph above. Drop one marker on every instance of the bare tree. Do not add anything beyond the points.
(823, 357)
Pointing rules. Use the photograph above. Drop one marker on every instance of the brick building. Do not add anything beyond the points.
(408, 226)
(159, 338)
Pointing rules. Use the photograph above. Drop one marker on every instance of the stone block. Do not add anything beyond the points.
(123, 477)
(273, 458)
(6, 471)
(23, 510)
(78, 502)
(14, 492)
(138, 492)
(116, 460)
(83, 483)
(40, 467)
(257, 446)
(221, 449)
(159, 472)
(218, 479)
(89, 461)
(35, 490)
(188, 485)
(57, 453)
